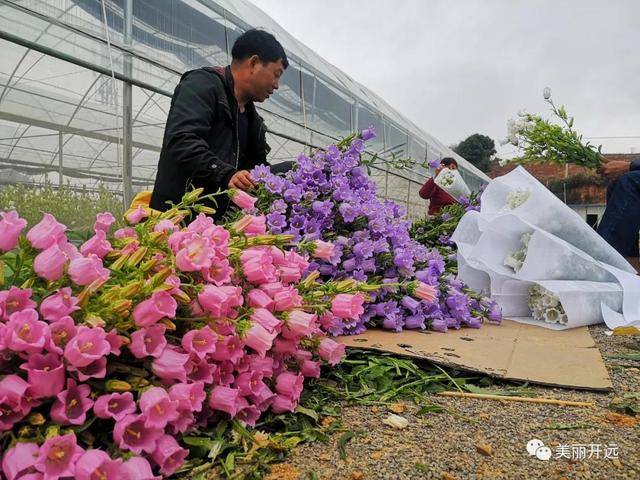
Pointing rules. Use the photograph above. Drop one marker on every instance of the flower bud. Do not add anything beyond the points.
(36, 419)
(112, 255)
(160, 277)
(367, 287)
(192, 196)
(28, 283)
(168, 213)
(182, 297)
(240, 225)
(52, 431)
(346, 285)
(96, 284)
(205, 209)
(83, 297)
(137, 256)
(148, 265)
(165, 287)
(131, 289)
(310, 280)
(169, 324)
(137, 382)
(157, 236)
(112, 295)
(123, 307)
(283, 237)
(117, 386)
(94, 320)
(119, 263)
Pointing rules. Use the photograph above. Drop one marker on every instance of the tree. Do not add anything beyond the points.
(477, 149)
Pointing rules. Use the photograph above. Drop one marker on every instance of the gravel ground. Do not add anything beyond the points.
(447, 445)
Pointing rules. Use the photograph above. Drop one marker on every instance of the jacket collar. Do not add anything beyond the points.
(227, 79)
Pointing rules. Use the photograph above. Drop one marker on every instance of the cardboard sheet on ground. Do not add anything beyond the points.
(513, 351)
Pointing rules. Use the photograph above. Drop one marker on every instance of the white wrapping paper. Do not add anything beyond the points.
(543, 209)
(452, 182)
(548, 257)
(563, 255)
(581, 301)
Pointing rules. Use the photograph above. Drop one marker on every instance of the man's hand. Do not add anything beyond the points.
(614, 169)
(242, 180)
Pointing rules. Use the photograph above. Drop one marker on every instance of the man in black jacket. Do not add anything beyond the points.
(620, 222)
(214, 135)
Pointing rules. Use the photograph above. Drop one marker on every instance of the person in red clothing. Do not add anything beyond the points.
(437, 196)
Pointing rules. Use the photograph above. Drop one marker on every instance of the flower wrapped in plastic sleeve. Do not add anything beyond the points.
(452, 182)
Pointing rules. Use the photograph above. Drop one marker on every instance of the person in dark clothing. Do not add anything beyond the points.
(437, 196)
(214, 136)
(621, 220)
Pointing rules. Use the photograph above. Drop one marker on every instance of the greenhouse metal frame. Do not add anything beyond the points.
(86, 85)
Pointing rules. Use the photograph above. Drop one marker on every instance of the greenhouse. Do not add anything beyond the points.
(87, 84)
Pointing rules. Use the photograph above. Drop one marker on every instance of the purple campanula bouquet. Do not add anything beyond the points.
(329, 196)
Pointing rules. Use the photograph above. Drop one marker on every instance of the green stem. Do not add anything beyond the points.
(18, 268)
(192, 319)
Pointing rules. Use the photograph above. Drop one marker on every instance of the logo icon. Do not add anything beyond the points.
(536, 448)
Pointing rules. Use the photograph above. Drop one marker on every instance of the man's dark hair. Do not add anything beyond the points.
(260, 43)
(448, 161)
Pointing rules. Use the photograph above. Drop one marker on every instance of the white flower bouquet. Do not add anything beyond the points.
(546, 306)
(568, 304)
(515, 198)
(452, 182)
(514, 260)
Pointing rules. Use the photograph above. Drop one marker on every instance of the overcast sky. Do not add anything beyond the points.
(457, 68)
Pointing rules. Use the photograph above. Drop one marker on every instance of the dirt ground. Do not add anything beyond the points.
(482, 439)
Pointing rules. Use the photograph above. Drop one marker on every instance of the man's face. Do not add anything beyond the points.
(264, 78)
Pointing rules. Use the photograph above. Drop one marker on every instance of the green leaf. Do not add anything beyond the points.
(198, 446)
(308, 412)
(431, 408)
(342, 443)
(216, 448)
(229, 462)
(509, 392)
(84, 426)
(629, 405)
(631, 356)
(198, 441)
